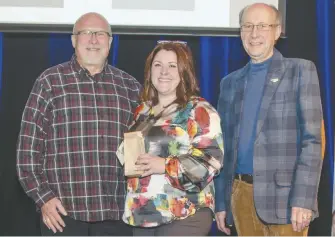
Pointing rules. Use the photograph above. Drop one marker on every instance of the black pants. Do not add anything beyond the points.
(82, 228)
(197, 225)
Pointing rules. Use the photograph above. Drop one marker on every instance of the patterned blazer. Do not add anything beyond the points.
(287, 156)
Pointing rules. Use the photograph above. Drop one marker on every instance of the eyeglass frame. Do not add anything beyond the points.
(271, 26)
(90, 33)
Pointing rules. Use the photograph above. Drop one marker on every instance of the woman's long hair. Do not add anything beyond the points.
(188, 85)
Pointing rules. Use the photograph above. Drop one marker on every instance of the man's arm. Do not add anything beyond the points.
(30, 146)
(220, 208)
(309, 163)
(219, 179)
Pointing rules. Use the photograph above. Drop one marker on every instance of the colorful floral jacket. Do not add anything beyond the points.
(190, 141)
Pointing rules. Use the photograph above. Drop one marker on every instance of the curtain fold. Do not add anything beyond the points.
(325, 40)
(115, 50)
(219, 56)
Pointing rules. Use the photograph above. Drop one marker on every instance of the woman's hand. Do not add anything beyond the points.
(150, 164)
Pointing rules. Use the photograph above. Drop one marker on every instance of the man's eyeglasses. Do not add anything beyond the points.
(171, 42)
(98, 34)
(260, 27)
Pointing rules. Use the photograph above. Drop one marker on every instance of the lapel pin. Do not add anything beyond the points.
(274, 80)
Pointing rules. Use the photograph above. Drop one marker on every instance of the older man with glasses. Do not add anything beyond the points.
(272, 120)
(72, 124)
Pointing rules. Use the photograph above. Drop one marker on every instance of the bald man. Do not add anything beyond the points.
(272, 119)
(72, 124)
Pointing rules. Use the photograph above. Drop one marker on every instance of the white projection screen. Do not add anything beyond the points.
(178, 17)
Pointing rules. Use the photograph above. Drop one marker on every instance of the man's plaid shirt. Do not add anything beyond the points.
(71, 127)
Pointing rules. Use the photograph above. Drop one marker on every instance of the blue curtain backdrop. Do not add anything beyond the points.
(218, 57)
(325, 36)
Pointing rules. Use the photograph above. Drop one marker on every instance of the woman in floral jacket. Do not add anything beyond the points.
(175, 193)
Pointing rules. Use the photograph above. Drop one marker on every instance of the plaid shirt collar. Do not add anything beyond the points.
(83, 71)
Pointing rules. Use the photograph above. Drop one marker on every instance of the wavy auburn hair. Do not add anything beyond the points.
(188, 85)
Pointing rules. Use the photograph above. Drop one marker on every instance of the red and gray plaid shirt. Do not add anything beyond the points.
(71, 128)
